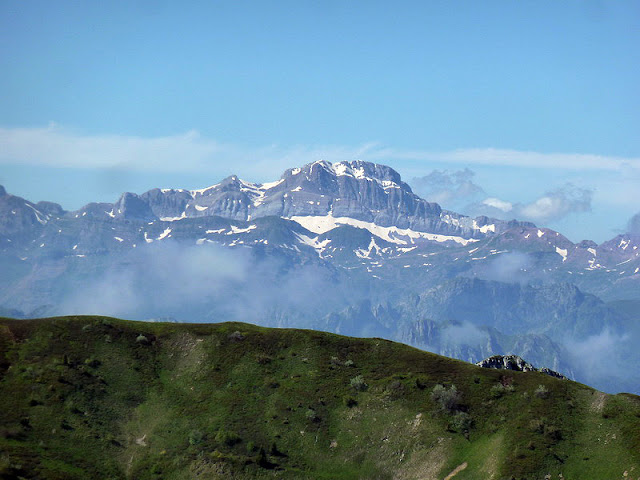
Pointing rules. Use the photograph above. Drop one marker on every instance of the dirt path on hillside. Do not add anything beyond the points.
(598, 401)
(455, 471)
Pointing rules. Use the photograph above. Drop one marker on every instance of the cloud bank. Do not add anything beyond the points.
(633, 226)
(551, 206)
(57, 146)
(207, 283)
(448, 188)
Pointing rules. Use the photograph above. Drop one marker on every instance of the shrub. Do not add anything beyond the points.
(349, 363)
(499, 390)
(92, 362)
(312, 415)
(446, 399)
(195, 437)
(358, 383)
(350, 402)
(142, 340)
(461, 422)
(541, 392)
(263, 359)
(236, 336)
(227, 438)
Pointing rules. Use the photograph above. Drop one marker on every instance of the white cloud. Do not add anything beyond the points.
(558, 203)
(57, 146)
(447, 188)
(516, 158)
(499, 204)
(551, 206)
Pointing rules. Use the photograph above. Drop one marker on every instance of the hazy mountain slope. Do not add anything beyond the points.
(94, 397)
(338, 247)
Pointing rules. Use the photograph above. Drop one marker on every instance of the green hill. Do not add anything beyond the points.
(96, 397)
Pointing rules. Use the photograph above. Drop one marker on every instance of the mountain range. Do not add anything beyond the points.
(345, 247)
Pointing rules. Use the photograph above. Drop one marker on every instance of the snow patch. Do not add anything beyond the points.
(484, 228)
(313, 242)
(362, 253)
(270, 185)
(563, 253)
(119, 239)
(195, 193)
(235, 229)
(173, 219)
(39, 215)
(322, 224)
(200, 208)
(164, 234)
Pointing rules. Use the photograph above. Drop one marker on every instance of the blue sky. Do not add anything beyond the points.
(539, 100)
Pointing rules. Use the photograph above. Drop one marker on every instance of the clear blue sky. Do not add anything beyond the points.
(101, 97)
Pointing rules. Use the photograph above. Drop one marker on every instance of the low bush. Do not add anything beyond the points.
(446, 399)
(461, 422)
(227, 438)
(541, 392)
(195, 437)
(349, 401)
(358, 383)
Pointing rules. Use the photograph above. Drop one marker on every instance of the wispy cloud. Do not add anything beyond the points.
(447, 187)
(633, 226)
(553, 205)
(58, 146)
(517, 158)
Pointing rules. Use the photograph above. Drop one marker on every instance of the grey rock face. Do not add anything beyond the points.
(18, 215)
(131, 207)
(166, 203)
(507, 362)
(514, 308)
(516, 363)
(359, 190)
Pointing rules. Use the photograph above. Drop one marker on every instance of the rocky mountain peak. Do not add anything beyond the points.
(130, 206)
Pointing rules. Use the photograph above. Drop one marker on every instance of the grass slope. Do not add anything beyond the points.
(95, 397)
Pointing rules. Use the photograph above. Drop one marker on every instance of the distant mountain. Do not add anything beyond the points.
(344, 247)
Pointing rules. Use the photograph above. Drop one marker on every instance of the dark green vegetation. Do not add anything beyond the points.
(95, 397)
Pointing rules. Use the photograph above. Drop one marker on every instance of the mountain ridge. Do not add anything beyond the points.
(90, 397)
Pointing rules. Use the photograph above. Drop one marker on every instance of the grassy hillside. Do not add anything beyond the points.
(95, 397)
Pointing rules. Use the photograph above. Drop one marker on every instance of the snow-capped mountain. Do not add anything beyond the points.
(308, 249)
(319, 196)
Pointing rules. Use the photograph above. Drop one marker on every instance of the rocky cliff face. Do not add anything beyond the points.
(18, 216)
(513, 308)
(514, 362)
(358, 190)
